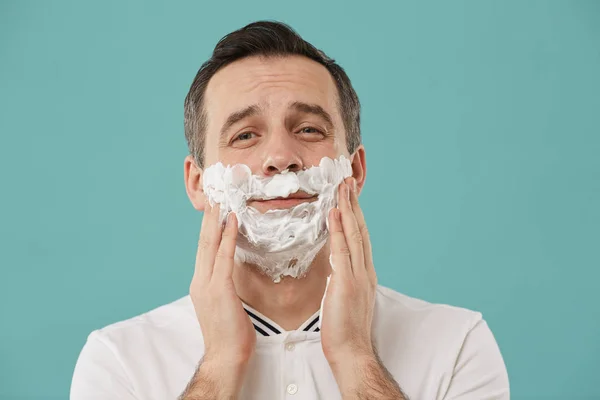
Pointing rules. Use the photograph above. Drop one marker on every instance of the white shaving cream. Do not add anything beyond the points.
(281, 242)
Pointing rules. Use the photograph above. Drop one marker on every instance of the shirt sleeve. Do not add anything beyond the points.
(479, 372)
(99, 374)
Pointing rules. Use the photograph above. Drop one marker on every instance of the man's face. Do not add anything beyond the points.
(273, 114)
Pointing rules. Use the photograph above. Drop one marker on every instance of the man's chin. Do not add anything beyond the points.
(283, 277)
(288, 270)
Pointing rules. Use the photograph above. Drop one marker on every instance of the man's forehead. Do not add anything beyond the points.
(270, 82)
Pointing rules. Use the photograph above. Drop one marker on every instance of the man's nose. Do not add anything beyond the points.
(281, 155)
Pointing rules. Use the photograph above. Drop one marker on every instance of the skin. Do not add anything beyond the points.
(276, 138)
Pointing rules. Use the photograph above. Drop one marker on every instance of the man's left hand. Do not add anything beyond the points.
(349, 301)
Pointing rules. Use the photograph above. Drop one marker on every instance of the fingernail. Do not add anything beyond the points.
(347, 191)
(354, 185)
(229, 219)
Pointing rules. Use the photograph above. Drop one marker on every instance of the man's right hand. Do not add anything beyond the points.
(229, 337)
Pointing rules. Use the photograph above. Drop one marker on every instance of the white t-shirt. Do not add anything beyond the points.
(433, 351)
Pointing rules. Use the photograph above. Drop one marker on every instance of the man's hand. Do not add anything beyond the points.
(348, 305)
(229, 337)
(350, 297)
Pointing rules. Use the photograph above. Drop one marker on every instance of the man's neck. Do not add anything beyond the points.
(290, 302)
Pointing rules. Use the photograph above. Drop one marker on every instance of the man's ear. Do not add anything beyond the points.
(192, 175)
(358, 161)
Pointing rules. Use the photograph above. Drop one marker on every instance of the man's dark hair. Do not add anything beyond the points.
(266, 39)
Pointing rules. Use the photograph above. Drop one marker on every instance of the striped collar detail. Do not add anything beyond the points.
(266, 327)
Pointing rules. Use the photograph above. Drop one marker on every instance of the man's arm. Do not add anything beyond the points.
(214, 381)
(365, 377)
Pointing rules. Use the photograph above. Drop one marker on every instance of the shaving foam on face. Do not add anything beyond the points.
(280, 242)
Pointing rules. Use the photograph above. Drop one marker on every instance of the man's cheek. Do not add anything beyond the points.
(280, 241)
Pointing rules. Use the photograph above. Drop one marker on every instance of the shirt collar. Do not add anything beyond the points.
(267, 327)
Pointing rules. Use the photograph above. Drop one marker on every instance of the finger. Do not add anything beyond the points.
(352, 233)
(340, 253)
(226, 252)
(362, 227)
(208, 243)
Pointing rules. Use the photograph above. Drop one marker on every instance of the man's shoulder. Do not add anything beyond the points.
(176, 317)
(450, 347)
(397, 311)
(123, 354)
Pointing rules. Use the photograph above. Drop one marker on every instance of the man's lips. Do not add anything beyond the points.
(282, 202)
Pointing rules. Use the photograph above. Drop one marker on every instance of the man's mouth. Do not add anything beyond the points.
(290, 201)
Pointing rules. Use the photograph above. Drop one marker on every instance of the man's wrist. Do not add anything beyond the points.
(348, 366)
(363, 375)
(216, 379)
(228, 374)
(350, 359)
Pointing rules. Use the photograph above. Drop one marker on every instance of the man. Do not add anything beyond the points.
(272, 102)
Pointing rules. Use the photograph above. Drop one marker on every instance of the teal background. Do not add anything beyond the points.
(482, 129)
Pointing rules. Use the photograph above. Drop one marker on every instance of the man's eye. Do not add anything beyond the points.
(244, 136)
(310, 129)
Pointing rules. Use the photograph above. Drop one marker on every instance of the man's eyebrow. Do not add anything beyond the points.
(313, 109)
(238, 116)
